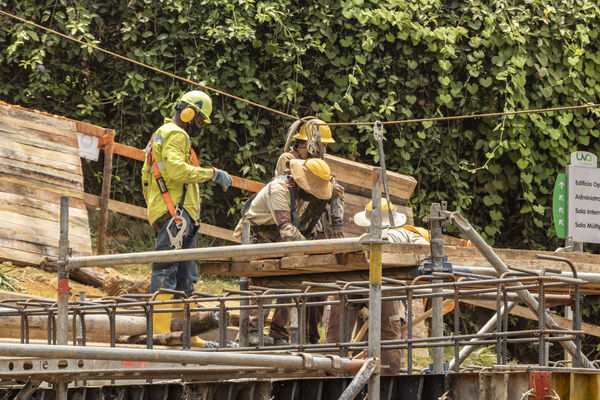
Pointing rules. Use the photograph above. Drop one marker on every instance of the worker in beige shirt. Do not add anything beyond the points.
(286, 209)
(331, 224)
(392, 312)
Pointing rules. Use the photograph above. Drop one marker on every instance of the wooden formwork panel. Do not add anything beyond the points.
(39, 162)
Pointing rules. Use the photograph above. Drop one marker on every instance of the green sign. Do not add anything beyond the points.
(559, 206)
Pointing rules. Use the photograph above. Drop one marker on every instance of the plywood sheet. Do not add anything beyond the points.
(39, 162)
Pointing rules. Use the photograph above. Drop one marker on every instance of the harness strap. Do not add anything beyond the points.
(313, 222)
(162, 185)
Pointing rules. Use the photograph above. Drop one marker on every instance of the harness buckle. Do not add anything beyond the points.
(180, 225)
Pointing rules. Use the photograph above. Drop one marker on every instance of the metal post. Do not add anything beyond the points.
(437, 317)
(243, 322)
(524, 295)
(568, 315)
(105, 195)
(375, 286)
(62, 306)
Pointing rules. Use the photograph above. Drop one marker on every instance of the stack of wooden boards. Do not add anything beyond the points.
(39, 162)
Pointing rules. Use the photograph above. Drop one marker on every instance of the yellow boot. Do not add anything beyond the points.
(161, 322)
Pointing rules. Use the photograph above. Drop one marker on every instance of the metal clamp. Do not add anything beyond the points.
(336, 361)
(378, 131)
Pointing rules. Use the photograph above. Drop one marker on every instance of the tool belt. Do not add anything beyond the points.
(161, 221)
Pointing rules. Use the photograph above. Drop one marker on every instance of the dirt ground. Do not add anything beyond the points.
(36, 282)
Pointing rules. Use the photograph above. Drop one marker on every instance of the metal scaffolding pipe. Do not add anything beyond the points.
(588, 277)
(463, 225)
(298, 362)
(359, 381)
(210, 253)
(488, 327)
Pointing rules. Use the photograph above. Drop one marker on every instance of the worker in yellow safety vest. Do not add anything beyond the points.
(170, 178)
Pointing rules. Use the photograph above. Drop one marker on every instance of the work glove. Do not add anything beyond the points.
(222, 178)
(337, 233)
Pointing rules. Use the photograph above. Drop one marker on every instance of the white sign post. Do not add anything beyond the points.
(583, 198)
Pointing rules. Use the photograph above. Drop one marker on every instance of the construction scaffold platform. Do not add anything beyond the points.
(137, 364)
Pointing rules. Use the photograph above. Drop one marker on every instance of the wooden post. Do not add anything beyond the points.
(108, 147)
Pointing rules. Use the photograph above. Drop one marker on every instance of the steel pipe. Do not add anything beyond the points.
(488, 327)
(466, 228)
(298, 362)
(359, 381)
(280, 249)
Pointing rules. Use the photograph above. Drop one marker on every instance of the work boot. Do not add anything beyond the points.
(161, 321)
(281, 342)
(200, 322)
(253, 339)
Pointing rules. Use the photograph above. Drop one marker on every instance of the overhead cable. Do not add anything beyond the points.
(357, 123)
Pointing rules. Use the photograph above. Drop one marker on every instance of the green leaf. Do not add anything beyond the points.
(522, 163)
(539, 209)
(445, 65)
(485, 82)
(495, 215)
(361, 59)
(353, 79)
(410, 99)
(427, 124)
(472, 88)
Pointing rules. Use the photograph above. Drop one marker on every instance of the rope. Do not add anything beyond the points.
(406, 121)
(150, 67)
(469, 116)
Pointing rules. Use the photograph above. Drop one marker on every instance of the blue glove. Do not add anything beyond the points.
(222, 178)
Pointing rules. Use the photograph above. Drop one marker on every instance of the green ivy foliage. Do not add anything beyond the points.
(344, 60)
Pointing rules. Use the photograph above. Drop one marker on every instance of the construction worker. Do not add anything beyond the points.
(331, 224)
(392, 312)
(170, 178)
(286, 209)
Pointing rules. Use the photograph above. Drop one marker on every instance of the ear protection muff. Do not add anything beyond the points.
(188, 114)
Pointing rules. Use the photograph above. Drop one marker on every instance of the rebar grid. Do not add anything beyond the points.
(343, 296)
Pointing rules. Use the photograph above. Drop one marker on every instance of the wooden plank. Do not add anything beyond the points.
(525, 312)
(70, 162)
(35, 193)
(216, 268)
(40, 139)
(47, 127)
(356, 178)
(38, 209)
(140, 212)
(19, 257)
(78, 233)
(28, 171)
(62, 191)
(36, 117)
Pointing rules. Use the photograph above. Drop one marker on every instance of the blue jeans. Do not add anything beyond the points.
(176, 275)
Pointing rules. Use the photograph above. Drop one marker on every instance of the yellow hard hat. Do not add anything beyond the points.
(314, 176)
(363, 218)
(319, 168)
(384, 205)
(325, 131)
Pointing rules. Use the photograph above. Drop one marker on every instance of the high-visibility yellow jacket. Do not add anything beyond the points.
(171, 147)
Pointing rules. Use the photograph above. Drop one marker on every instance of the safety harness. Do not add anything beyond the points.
(305, 227)
(174, 211)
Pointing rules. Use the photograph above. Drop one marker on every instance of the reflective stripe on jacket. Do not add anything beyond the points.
(171, 147)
